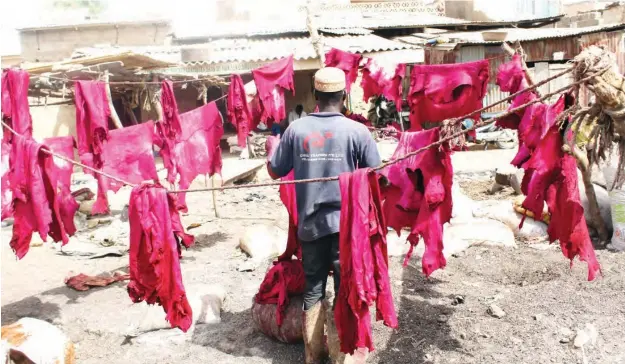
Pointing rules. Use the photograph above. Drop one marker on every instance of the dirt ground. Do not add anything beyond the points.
(545, 302)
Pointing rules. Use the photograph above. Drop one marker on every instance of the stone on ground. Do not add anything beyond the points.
(263, 242)
(463, 206)
(496, 311)
(503, 211)
(481, 232)
(206, 302)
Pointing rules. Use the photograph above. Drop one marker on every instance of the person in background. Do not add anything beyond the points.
(323, 144)
(296, 114)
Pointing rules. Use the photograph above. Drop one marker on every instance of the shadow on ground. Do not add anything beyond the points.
(422, 325)
(30, 307)
(237, 336)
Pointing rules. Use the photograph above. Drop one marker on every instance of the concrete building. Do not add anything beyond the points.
(53, 42)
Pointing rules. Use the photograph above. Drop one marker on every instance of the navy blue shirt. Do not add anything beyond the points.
(322, 145)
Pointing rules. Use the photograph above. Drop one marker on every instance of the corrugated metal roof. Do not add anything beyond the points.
(92, 23)
(253, 50)
(350, 21)
(524, 35)
(169, 54)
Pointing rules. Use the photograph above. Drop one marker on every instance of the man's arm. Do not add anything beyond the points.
(280, 155)
(369, 157)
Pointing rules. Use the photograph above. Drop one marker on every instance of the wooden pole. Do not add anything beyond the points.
(315, 38)
(593, 205)
(204, 91)
(157, 102)
(114, 116)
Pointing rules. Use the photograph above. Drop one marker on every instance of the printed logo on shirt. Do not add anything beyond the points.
(320, 146)
(316, 140)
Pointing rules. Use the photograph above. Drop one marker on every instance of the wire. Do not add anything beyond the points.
(408, 155)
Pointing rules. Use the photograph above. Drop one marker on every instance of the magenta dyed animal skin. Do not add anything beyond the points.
(271, 80)
(439, 92)
(37, 204)
(127, 154)
(197, 151)
(378, 81)
(238, 109)
(61, 171)
(92, 117)
(15, 111)
(345, 61)
(363, 261)
(551, 177)
(284, 280)
(419, 195)
(155, 275)
(550, 174)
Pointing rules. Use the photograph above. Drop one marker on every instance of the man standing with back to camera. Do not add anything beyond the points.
(323, 144)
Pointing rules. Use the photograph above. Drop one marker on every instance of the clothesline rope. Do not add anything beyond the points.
(383, 165)
(47, 151)
(407, 155)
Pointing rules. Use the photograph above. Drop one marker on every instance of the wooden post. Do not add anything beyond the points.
(156, 102)
(204, 91)
(593, 205)
(315, 38)
(114, 116)
(528, 75)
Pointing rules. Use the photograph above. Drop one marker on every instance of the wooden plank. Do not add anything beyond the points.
(235, 169)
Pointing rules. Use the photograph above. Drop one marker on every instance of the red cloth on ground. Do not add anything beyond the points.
(127, 154)
(551, 176)
(377, 80)
(7, 209)
(35, 201)
(271, 80)
(238, 109)
(420, 195)
(284, 280)
(347, 62)
(155, 275)
(439, 92)
(197, 152)
(62, 171)
(15, 110)
(83, 282)
(287, 195)
(364, 262)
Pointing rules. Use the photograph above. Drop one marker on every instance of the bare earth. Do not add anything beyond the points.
(545, 302)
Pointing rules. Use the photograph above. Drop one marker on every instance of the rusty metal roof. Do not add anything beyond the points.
(253, 50)
(522, 35)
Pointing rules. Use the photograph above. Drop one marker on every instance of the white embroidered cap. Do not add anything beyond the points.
(330, 79)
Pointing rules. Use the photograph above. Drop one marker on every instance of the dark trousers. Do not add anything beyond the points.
(317, 257)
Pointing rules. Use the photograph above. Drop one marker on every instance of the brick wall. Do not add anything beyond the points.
(48, 45)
